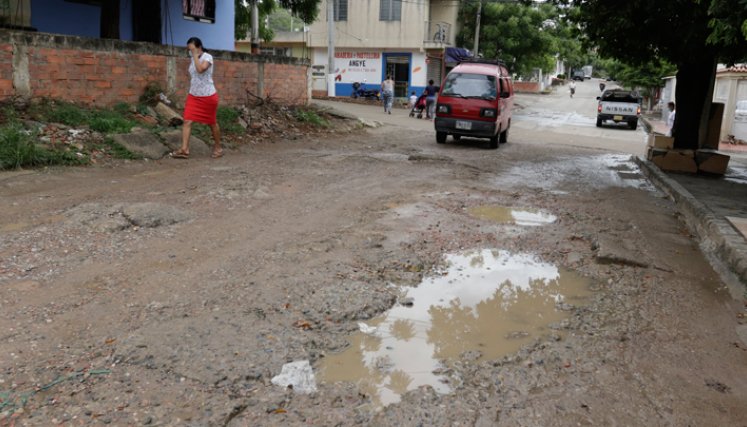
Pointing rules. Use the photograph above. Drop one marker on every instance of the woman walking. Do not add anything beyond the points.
(202, 101)
(387, 89)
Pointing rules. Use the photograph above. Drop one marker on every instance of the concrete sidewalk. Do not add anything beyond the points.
(714, 208)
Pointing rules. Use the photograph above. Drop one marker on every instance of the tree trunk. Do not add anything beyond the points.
(694, 81)
(110, 19)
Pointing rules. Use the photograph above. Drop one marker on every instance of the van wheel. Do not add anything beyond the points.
(441, 137)
(493, 143)
(503, 137)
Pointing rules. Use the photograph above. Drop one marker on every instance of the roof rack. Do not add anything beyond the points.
(483, 61)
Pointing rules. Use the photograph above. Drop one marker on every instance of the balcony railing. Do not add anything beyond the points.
(438, 33)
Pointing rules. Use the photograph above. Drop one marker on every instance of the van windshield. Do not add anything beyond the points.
(465, 85)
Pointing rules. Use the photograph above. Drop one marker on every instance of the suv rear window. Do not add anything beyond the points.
(619, 97)
(466, 85)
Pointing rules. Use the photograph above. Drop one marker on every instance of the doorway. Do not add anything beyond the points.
(397, 65)
(146, 21)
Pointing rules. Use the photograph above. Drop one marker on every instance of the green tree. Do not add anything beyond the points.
(521, 35)
(647, 76)
(305, 10)
(693, 35)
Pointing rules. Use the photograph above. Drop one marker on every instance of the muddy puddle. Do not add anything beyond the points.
(507, 215)
(595, 172)
(488, 301)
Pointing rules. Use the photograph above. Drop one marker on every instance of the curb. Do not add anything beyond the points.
(723, 244)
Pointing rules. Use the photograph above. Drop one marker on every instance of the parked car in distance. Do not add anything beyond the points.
(618, 106)
(475, 100)
(579, 75)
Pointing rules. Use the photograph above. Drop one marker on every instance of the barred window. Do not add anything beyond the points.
(341, 10)
(199, 10)
(390, 10)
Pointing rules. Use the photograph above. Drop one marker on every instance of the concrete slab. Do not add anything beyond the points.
(197, 147)
(142, 142)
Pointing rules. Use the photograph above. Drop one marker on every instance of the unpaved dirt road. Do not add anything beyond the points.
(172, 292)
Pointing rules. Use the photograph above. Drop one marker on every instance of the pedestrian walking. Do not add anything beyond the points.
(670, 118)
(202, 100)
(572, 88)
(387, 89)
(430, 100)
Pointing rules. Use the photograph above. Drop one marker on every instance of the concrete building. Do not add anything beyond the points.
(374, 38)
(731, 90)
(168, 22)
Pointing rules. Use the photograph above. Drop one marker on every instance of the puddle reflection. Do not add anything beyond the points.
(490, 301)
(505, 215)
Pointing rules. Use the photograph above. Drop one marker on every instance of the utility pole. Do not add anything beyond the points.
(477, 27)
(255, 27)
(330, 48)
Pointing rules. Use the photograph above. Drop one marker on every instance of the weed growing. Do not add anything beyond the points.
(311, 117)
(17, 150)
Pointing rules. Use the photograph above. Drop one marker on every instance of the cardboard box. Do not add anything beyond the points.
(675, 160)
(712, 162)
(657, 140)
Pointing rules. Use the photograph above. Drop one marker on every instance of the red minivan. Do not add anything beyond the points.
(475, 100)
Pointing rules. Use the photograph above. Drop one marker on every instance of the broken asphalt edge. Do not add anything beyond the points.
(722, 244)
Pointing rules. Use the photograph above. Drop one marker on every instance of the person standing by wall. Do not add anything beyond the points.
(670, 118)
(430, 100)
(387, 90)
(202, 100)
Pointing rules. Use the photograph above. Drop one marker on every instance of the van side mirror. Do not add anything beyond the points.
(505, 94)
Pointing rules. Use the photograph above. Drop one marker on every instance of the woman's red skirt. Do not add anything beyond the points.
(201, 109)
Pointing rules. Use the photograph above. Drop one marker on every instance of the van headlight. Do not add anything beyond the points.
(444, 108)
(488, 112)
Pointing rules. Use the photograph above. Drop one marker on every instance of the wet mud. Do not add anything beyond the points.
(294, 251)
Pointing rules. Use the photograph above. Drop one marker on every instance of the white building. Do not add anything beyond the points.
(375, 38)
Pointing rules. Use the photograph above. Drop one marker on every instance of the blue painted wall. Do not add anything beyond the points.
(218, 35)
(62, 17)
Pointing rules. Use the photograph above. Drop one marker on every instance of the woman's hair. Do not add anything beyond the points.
(197, 42)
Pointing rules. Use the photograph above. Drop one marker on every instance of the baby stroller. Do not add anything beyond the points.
(419, 107)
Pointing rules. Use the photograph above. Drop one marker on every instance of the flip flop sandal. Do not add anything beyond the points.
(179, 154)
(217, 154)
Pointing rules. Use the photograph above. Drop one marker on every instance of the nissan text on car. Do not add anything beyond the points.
(475, 100)
(619, 106)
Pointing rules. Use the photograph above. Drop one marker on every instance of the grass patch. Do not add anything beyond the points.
(116, 120)
(311, 117)
(228, 120)
(18, 150)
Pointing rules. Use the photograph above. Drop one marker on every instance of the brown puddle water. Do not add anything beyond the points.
(486, 300)
(505, 215)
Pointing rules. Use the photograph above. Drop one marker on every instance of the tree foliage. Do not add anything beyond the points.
(305, 10)
(693, 35)
(526, 36)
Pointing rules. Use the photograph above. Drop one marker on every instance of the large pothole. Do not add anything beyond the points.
(487, 301)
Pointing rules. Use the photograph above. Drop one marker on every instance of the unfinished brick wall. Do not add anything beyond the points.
(105, 72)
(527, 87)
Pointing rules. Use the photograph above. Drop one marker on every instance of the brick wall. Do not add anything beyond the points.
(527, 87)
(104, 72)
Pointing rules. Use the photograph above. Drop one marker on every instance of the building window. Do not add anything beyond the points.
(390, 10)
(341, 10)
(199, 10)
